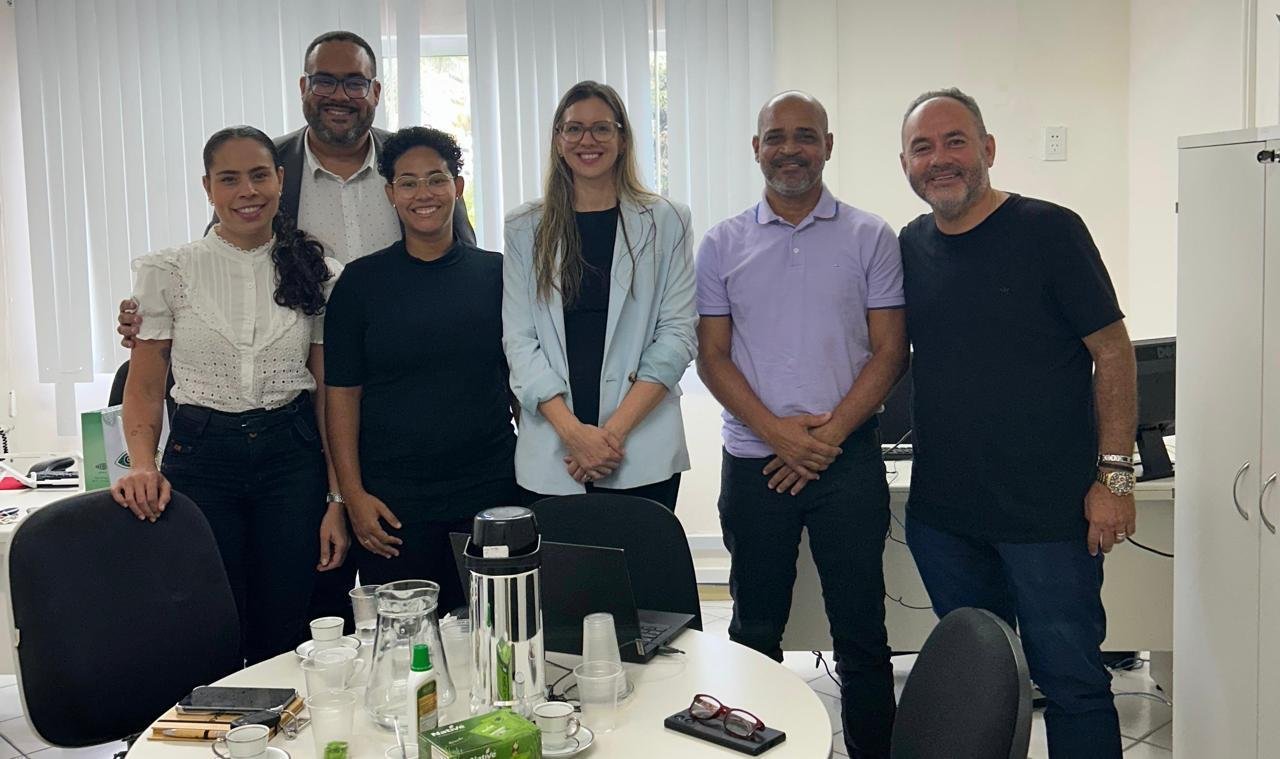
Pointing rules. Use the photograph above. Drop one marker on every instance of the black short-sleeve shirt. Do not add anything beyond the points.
(1003, 412)
(423, 341)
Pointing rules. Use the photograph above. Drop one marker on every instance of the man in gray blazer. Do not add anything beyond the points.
(333, 190)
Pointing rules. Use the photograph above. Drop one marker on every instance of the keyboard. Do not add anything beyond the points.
(650, 633)
(896, 453)
(57, 479)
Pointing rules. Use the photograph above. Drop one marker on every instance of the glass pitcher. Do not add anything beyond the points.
(406, 616)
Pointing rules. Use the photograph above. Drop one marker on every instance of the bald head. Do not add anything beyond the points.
(788, 98)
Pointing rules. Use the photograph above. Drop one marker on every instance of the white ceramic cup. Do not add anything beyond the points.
(556, 721)
(325, 631)
(244, 742)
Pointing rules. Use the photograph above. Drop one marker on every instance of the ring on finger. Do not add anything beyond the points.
(1120, 536)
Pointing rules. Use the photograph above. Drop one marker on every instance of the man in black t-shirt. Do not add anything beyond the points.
(1024, 414)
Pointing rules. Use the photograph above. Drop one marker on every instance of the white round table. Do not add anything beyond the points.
(711, 664)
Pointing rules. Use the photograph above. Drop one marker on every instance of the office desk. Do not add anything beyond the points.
(711, 664)
(25, 500)
(1137, 591)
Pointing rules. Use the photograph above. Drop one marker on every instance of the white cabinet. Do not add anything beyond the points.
(1227, 558)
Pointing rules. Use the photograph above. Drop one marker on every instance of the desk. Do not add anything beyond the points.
(1137, 591)
(25, 500)
(663, 687)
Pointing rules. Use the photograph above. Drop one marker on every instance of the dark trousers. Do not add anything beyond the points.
(1051, 592)
(664, 492)
(259, 478)
(425, 554)
(847, 515)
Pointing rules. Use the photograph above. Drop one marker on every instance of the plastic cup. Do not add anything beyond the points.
(331, 716)
(364, 607)
(600, 643)
(331, 669)
(598, 685)
(455, 636)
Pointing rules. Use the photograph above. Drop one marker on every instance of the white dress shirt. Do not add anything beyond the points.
(234, 348)
(352, 217)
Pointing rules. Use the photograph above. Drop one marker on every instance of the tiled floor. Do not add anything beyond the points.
(1146, 724)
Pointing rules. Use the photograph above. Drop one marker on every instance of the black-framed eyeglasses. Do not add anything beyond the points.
(602, 131)
(326, 85)
(739, 723)
(438, 184)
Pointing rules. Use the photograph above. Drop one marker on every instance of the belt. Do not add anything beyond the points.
(199, 418)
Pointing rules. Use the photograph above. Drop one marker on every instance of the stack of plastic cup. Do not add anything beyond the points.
(456, 638)
(600, 643)
(598, 686)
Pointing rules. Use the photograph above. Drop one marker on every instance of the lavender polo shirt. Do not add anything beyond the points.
(798, 296)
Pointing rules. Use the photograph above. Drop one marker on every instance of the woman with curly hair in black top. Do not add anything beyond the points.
(421, 418)
(238, 315)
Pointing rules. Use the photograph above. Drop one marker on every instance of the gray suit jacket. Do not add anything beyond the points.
(292, 152)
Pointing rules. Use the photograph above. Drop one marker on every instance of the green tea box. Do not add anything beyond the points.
(500, 734)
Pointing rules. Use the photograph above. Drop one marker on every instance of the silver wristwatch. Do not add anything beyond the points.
(1118, 481)
(333, 497)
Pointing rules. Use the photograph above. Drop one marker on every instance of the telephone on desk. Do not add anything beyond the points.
(53, 473)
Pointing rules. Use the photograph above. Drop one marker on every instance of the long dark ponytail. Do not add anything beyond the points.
(298, 258)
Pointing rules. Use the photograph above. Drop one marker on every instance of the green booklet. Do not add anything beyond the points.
(500, 734)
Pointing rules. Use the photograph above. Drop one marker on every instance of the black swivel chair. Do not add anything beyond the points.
(115, 619)
(657, 550)
(968, 695)
(116, 396)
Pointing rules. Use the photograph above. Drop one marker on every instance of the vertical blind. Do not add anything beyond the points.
(118, 97)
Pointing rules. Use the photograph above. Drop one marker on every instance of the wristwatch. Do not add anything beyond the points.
(333, 497)
(1118, 481)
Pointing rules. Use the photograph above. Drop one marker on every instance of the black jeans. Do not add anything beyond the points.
(664, 492)
(1052, 594)
(847, 515)
(259, 478)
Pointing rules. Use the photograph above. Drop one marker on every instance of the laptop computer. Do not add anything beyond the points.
(578, 580)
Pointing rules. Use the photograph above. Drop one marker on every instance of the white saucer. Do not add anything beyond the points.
(304, 650)
(277, 753)
(575, 745)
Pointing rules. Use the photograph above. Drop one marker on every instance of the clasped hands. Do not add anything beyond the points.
(594, 452)
(804, 445)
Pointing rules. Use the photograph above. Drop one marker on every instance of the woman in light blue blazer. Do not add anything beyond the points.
(598, 315)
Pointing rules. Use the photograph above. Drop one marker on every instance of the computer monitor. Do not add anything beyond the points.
(895, 420)
(1157, 360)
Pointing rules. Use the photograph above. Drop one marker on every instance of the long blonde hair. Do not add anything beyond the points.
(557, 233)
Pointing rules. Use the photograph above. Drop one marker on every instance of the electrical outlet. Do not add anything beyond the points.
(1055, 143)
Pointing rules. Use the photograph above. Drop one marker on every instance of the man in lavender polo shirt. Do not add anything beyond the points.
(802, 336)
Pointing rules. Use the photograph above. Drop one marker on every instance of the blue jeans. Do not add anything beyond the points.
(1051, 592)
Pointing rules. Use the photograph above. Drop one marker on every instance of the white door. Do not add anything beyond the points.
(1220, 272)
(1269, 504)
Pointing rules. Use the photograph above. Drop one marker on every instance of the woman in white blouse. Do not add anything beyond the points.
(237, 315)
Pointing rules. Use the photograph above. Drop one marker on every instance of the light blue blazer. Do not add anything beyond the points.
(650, 335)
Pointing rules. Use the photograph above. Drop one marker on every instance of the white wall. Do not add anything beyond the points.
(1030, 64)
(1186, 73)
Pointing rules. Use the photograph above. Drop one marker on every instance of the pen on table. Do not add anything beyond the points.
(191, 733)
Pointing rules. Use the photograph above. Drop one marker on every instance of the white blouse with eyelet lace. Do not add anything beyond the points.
(234, 349)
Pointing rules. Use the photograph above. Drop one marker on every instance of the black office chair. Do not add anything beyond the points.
(968, 695)
(657, 550)
(116, 396)
(115, 619)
